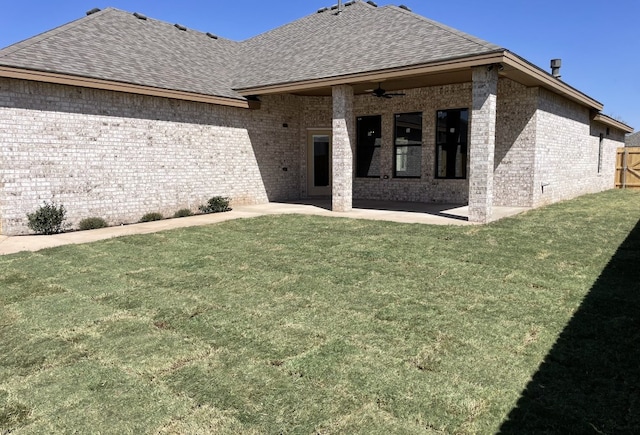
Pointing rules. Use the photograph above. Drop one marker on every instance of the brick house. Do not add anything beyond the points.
(116, 114)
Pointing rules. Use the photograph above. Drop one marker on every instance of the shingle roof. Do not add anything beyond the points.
(633, 140)
(116, 45)
(360, 39)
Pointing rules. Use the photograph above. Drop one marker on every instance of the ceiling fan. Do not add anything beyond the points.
(381, 93)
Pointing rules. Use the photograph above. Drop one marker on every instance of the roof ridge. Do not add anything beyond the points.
(26, 43)
(452, 30)
(325, 10)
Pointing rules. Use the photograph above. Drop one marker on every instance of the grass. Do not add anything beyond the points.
(302, 324)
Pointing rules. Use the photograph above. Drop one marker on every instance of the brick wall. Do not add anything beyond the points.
(537, 135)
(316, 114)
(566, 158)
(119, 156)
(427, 188)
(515, 144)
(482, 143)
(343, 148)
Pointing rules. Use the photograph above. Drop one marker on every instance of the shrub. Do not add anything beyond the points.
(92, 223)
(216, 204)
(47, 219)
(183, 212)
(149, 217)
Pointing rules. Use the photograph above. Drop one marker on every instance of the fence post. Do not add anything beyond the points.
(625, 157)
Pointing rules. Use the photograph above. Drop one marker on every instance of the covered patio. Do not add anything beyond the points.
(392, 211)
(334, 106)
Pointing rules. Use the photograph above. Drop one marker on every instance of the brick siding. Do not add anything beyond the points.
(567, 148)
(119, 156)
(427, 188)
(482, 143)
(515, 144)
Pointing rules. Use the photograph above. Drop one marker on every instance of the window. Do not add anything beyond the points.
(600, 143)
(369, 141)
(451, 143)
(408, 145)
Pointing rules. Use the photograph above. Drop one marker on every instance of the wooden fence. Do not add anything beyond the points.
(628, 168)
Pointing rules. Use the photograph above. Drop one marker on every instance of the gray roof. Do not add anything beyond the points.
(632, 140)
(362, 38)
(115, 45)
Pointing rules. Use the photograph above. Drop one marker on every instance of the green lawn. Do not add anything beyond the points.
(303, 324)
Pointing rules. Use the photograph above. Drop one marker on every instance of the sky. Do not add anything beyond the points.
(597, 40)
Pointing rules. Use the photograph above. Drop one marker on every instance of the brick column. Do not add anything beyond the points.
(483, 141)
(342, 154)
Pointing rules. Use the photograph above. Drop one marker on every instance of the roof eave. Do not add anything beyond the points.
(501, 56)
(110, 85)
(610, 122)
(548, 81)
(373, 76)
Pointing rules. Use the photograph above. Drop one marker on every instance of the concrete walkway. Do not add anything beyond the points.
(433, 214)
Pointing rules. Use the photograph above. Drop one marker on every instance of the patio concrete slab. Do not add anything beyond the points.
(403, 212)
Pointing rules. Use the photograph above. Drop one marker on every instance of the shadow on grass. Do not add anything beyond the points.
(450, 211)
(590, 380)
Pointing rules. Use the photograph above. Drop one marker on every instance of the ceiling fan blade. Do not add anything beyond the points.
(381, 93)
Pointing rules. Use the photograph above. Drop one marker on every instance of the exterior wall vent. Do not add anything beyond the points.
(140, 16)
(93, 11)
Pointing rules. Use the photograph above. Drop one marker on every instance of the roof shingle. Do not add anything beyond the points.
(360, 39)
(115, 45)
(118, 46)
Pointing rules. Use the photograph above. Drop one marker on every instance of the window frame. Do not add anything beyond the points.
(406, 155)
(600, 149)
(360, 146)
(446, 143)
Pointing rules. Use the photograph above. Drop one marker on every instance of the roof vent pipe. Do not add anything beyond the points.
(555, 67)
(339, 6)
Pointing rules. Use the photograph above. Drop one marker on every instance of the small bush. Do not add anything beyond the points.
(183, 212)
(92, 223)
(216, 204)
(48, 219)
(149, 217)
